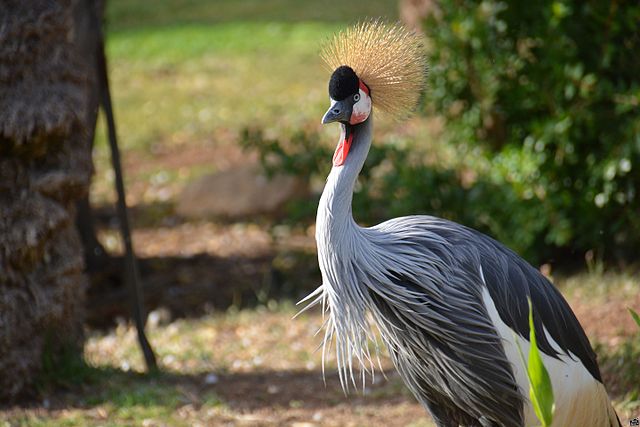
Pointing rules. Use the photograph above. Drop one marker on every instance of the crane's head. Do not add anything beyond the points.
(377, 64)
(350, 100)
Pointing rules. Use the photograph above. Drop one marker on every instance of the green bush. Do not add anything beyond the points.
(393, 181)
(550, 91)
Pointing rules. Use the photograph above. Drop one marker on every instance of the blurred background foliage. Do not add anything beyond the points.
(549, 93)
(539, 105)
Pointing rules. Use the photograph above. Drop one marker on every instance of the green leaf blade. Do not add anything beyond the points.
(540, 388)
(635, 315)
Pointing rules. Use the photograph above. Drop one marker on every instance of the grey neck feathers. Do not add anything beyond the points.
(334, 211)
(340, 242)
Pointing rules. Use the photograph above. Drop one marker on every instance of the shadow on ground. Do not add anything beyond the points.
(194, 285)
(241, 392)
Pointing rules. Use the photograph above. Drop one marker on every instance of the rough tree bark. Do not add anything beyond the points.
(48, 110)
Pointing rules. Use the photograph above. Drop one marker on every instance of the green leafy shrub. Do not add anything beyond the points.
(551, 92)
(388, 185)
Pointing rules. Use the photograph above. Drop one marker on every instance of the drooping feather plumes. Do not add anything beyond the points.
(389, 59)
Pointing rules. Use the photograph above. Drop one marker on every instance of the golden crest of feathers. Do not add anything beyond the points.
(389, 59)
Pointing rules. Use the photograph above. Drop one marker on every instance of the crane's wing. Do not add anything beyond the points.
(426, 301)
(441, 337)
(510, 280)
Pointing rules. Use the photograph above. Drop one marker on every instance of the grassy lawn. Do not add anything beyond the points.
(194, 83)
(196, 73)
(188, 76)
(124, 14)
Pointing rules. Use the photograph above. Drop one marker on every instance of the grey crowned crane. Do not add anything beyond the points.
(450, 303)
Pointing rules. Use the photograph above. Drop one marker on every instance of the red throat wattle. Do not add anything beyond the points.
(342, 150)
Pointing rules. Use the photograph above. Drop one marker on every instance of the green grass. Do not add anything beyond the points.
(191, 84)
(111, 397)
(189, 73)
(185, 70)
(128, 14)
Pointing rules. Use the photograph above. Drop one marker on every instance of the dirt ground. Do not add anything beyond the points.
(255, 367)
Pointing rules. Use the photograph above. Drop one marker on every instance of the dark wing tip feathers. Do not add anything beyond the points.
(510, 279)
(343, 83)
(509, 290)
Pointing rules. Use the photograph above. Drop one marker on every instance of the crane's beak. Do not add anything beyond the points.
(340, 111)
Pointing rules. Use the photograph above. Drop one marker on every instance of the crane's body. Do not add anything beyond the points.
(450, 303)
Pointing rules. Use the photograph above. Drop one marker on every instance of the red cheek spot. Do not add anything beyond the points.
(357, 118)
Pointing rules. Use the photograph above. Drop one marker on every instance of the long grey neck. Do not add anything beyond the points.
(334, 218)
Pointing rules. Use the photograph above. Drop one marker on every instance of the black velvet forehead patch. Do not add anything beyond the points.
(343, 83)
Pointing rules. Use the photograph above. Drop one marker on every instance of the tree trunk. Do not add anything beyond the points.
(47, 113)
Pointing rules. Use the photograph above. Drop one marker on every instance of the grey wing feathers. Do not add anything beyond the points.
(431, 345)
(437, 329)
(439, 333)
(509, 280)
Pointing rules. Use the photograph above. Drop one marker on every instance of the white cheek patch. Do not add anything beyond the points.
(361, 109)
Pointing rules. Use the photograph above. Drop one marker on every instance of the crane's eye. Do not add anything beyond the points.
(356, 97)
